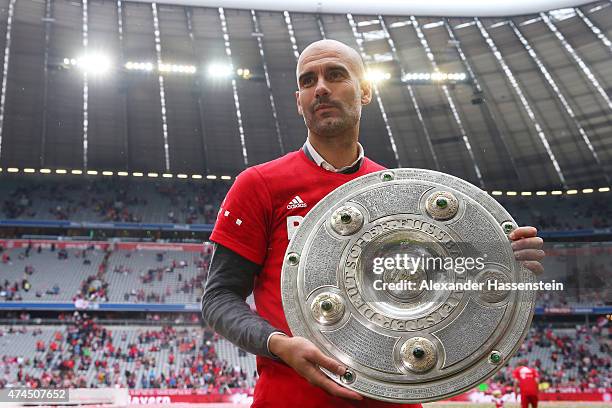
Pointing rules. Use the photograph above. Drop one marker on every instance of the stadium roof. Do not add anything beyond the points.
(534, 113)
(440, 8)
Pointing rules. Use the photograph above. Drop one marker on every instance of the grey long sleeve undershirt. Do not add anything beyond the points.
(224, 308)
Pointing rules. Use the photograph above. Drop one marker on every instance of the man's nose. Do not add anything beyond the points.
(322, 88)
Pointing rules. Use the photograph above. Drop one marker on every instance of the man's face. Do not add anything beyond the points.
(330, 90)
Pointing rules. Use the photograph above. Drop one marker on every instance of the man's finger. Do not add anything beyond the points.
(534, 266)
(316, 377)
(528, 243)
(529, 255)
(328, 363)
(523, 232)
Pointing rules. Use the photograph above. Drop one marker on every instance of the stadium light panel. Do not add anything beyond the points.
(167, 175)
(541, 193)
(196, 176)
(226, 177)
(76, 171)
(139, 66)
(571, 192)
(511, 193)
(107, 173)
(604, 189)
(587, 191)
(94, 63)
(243, 73)
(137, 174)
(219, 71)
(434, 77)
(181, 176)
(399, 24)
(122, 173)
(211, 177)
(45, 171)
(376, 75)
(28, 170)
(182, 69)
(496, 193)
(152, 175)
(60, 171)
(556, 192)
(12, 170)
(92, 172)
(525, 193)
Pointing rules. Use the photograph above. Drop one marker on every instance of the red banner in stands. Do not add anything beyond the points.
(102, 245)
(566, 394)
(169, 396)
(193, 396)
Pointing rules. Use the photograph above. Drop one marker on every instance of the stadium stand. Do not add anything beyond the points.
(137, 276)
(577, 357)
(111, 200)
(87, 355)
(96, 275)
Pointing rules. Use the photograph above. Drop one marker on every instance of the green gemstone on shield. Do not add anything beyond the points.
(441, 202)
(495, 357)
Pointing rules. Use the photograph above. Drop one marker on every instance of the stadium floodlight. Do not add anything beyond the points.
(571, 192)
(181, 176)
(556, 192)
(152, 175)
(167, 175)
(45, 171)
(137, 174)
(377, 75)
(28, 170)
(220, 70)
(541, 193)
(139, 66)
(94, 63)
(211, 177)
(226, 177)
(12, 170)
(587, 191)
(511, 193)
(496, 193)
(196, 176)
(76, 171)
(603, 189)
(244, 73)
(60, 171)
(525, 193)
(92, 172)
(107, 173)
(181, 69)
(122, 173)
(436, 77)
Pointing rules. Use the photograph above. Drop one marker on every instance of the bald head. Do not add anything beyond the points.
(331, 49)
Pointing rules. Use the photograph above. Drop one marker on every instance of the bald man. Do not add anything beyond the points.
(260, 215)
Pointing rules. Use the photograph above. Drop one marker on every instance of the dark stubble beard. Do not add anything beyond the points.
(334, 125)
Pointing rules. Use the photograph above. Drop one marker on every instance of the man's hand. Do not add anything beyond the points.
(527, 247)
(305, 358)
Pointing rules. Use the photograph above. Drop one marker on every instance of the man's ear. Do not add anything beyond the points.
(366, 91)
(297, 101)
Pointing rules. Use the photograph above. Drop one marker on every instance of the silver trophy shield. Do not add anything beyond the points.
(378, 276)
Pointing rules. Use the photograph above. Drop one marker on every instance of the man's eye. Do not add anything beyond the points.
(307, 81)
(335, 75)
